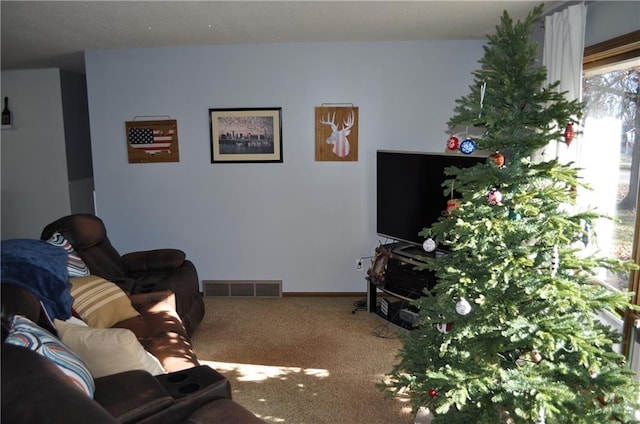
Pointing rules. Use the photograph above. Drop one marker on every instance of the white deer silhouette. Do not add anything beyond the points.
(339, 138)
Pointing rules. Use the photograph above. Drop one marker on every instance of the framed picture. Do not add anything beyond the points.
(246, 135)
(152, 141)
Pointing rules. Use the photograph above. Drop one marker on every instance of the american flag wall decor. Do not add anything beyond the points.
(152, 141)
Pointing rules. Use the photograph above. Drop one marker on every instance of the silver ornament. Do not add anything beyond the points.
(429, 245)
(463, 307)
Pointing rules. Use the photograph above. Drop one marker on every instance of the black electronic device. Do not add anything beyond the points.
(409, 191)
(402, 278)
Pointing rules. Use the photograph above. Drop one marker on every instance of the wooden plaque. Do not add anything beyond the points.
(337, 134)
(152, 141)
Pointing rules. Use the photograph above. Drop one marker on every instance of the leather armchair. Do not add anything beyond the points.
(141, 274)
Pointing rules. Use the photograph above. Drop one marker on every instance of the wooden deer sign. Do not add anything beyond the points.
(337, 134)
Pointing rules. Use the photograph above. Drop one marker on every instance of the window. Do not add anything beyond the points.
(609, 154)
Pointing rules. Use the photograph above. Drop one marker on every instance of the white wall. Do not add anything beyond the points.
(34, 163)
(610, 19)
(46, 155)
(300, 221)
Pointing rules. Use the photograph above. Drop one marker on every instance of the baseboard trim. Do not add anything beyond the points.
(324, 294)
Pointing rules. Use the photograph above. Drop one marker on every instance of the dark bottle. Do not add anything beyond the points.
(6, 114)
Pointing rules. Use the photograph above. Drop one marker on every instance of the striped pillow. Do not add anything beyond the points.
(75, 265)
(27, 334)
(100, 303)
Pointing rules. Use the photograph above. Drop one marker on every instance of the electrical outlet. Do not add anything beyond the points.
(358, 264)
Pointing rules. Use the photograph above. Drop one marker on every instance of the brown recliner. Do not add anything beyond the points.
(138, 273)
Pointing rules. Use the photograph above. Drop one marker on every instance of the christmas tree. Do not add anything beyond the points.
(510, 333)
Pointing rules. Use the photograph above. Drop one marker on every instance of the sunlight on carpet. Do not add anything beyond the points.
(250, 372)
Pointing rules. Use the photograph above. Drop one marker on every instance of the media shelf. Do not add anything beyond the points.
(393, 272)
(389, 306)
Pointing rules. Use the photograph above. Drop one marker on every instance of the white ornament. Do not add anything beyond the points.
(463, 307)
(541, 416)
(494, 197)
(429, 245)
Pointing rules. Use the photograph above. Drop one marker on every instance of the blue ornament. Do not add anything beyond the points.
(467, 146)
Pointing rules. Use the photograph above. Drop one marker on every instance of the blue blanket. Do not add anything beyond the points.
(41, 268)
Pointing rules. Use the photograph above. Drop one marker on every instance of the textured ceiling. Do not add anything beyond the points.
(37, 34)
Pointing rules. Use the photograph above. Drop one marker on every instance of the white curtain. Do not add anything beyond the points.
(562, 56)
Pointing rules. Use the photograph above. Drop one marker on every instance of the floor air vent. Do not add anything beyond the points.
(222, 288)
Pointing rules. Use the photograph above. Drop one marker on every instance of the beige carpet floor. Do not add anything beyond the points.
(303, 360)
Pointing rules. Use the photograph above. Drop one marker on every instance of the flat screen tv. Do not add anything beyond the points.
(410, 195)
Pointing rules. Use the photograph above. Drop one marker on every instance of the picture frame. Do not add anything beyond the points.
(246, 135)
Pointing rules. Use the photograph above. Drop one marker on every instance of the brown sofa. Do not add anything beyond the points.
(36, 389)
(138, 273)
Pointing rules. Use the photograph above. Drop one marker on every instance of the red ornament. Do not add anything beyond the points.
(453, 143)
(568, 133)
(498, 158)
(574, 192)
(433, 393)
(452, 205)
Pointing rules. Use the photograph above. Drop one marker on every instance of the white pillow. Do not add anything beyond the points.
(76, 321)
(107, 351)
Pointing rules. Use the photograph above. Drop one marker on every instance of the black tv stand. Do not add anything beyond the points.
(410, 251)
(399, 279)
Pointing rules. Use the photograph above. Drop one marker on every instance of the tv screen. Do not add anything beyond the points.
(409, 191)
